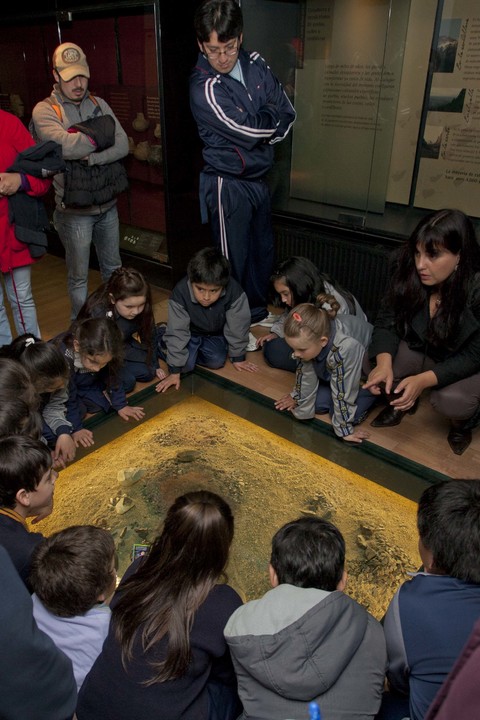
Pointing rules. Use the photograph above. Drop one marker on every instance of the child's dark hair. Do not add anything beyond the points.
(183, 565)
(23, 462)
(313, 320)
(448, 521)
(209, 266)
(19, 401)
(309, 553)
(98, 336)
(42, 360)
(306, 282)
(72, 568)
(124, 283)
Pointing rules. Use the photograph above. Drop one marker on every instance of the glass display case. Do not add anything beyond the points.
(122, 50)
(387, 97)
(218, 436)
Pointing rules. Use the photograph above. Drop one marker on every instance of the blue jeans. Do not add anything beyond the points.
(210, 352)
(207, 350)
(19, 292)
(77, 232)
(324, 402)
(278, 354)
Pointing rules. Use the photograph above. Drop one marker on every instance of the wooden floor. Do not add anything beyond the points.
(420, 437)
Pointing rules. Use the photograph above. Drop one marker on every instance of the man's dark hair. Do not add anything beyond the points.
(448, 521)
(209, 266)
(309, 553)
(223, 16)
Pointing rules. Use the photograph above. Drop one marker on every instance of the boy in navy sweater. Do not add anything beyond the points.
(432, 615)
(27, 482)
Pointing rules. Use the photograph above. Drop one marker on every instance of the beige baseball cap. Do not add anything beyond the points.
(69, 61)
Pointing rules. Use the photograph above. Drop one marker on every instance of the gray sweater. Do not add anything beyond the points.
(295, 645)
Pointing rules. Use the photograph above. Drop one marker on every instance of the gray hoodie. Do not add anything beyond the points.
(295, 645)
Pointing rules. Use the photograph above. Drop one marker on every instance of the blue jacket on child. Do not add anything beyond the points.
(90, 391)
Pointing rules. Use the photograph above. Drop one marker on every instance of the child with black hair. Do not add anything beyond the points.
(297, 280)
(208, 320)
(27, 482)
(126, 298)
(306, 639)
(73, 577)
(93, 349)
(49, 373)
(431, 616)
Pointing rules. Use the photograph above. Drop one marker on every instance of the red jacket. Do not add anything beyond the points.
(14, 138)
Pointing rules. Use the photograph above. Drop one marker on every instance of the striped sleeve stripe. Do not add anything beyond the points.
(340, 389)
(217, 110)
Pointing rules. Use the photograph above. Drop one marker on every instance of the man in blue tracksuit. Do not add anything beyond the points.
(241, 110)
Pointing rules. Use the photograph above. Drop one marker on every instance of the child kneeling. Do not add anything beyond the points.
(208, 320)
(329, 350)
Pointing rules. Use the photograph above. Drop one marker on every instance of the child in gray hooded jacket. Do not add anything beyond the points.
(306, 639)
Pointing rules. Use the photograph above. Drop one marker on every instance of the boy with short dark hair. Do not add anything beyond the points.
(208, 319)
(432, 615)
(73, 577)
(27, 482)
(306, 639)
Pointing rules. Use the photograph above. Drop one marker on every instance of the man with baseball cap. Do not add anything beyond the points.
(69, 117)
(69, 61)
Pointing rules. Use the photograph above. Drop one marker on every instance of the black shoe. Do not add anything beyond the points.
(391, 416)
(459, 440)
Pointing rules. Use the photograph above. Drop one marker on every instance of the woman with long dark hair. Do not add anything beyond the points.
(165, 655)
(427, 333)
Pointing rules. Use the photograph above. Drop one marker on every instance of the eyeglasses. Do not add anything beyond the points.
(229, 50)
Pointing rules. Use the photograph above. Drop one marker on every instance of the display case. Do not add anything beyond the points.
(123, 53)
(387, 101)
(218, 436)
(387, 129)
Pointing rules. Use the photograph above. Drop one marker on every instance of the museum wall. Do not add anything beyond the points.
(387, 96)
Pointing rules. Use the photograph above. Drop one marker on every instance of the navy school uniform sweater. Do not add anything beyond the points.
(111, 693)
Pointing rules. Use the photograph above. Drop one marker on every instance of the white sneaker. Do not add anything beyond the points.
(266, 322)
(252, 343)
